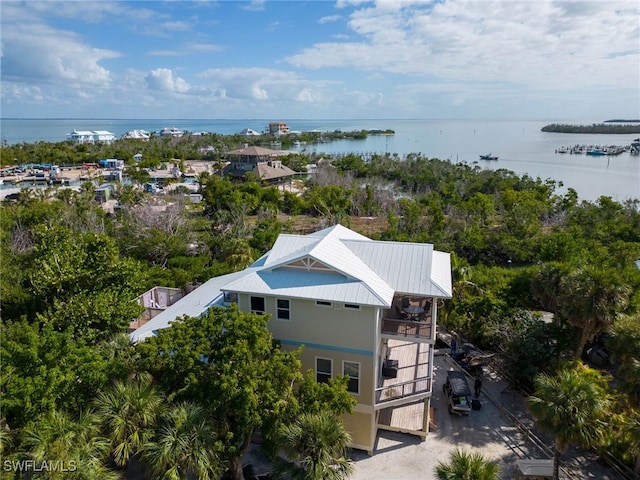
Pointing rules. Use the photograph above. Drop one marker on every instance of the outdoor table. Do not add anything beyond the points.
(414, 310)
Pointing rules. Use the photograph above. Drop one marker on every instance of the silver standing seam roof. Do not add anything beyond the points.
(344, 266)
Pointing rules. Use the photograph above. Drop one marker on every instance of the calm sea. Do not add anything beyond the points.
(520, 145)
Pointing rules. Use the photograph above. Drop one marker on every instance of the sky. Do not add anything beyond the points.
(343, 59)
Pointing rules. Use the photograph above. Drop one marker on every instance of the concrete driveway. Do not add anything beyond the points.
(489, 431)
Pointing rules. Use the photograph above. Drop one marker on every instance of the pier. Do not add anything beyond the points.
(594, 150)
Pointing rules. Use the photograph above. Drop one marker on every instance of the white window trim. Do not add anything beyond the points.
(287, 309)
(359, 377)
(318, 304)
(315, 367)
(351, 306)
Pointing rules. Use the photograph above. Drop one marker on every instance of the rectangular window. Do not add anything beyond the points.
(352, 369)
(324, 367)
(322, 303)
(257, 304)
(283, 310)
(352, 306)
(231, 297)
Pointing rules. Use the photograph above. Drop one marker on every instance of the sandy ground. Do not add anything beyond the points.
(488, 431)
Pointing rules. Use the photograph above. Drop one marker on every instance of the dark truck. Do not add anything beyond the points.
(458, 393)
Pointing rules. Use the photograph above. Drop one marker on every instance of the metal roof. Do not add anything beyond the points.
(379, 268)
(411, 268)
(256, 152)
(193, 305)
(335, 264)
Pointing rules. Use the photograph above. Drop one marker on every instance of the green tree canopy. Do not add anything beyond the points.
(227, 362)
(572, 406)
(463, 465)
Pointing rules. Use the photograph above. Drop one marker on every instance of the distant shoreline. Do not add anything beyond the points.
(597, 128)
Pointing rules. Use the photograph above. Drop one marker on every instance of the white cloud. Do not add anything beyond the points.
(542, 44)
(330, 18)
(348, 3)
(260, 83)
(175, 26)
(162, 79)
(254, 6)
(38, 53)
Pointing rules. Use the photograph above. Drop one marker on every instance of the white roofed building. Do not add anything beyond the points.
(171, 132)
(359, 307)
(137, 134)
(247, 132)
(88, 136)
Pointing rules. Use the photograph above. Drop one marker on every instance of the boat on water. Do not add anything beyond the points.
(488, 156)
(596, 152)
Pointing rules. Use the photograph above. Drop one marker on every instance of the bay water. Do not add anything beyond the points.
(520, 145)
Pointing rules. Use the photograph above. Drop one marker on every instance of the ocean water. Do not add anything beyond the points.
(520, 145)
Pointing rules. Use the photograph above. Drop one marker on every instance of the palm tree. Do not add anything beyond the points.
(6, 438)
(315, 445)
(467, 466)
(184, 446)
(128, 412)
(593, 297)
(571, 406)
(76, 446)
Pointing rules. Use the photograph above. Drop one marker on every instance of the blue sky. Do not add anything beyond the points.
(339, 59)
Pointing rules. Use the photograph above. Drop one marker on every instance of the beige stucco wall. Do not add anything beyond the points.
(361, 426)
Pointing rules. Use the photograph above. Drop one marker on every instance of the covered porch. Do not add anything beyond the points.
(409, 318)
(402, 398)
(405, 373)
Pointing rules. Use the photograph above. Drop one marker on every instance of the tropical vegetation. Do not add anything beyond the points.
(540, 279)
(604, 128)
(463, 465)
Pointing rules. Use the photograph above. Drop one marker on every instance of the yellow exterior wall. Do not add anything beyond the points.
(365, 396)
(336, 334)
(362, 429)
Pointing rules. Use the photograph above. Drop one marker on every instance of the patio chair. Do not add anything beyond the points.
(400, 313)
(405, 302)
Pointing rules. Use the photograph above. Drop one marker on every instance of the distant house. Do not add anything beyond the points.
(104, 192)
(264, 162)
(277, 128)
(88, 136)
(208, 150)
(137, 157)
(137, 135)
(171, 132)
(247, 132)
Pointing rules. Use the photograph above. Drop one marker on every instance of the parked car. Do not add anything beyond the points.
(458, 393)
(599, 356)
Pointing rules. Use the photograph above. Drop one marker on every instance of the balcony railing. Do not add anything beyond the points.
(411, 329)
(403, 390)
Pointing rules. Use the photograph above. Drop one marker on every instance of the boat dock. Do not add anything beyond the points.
(594, 150)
